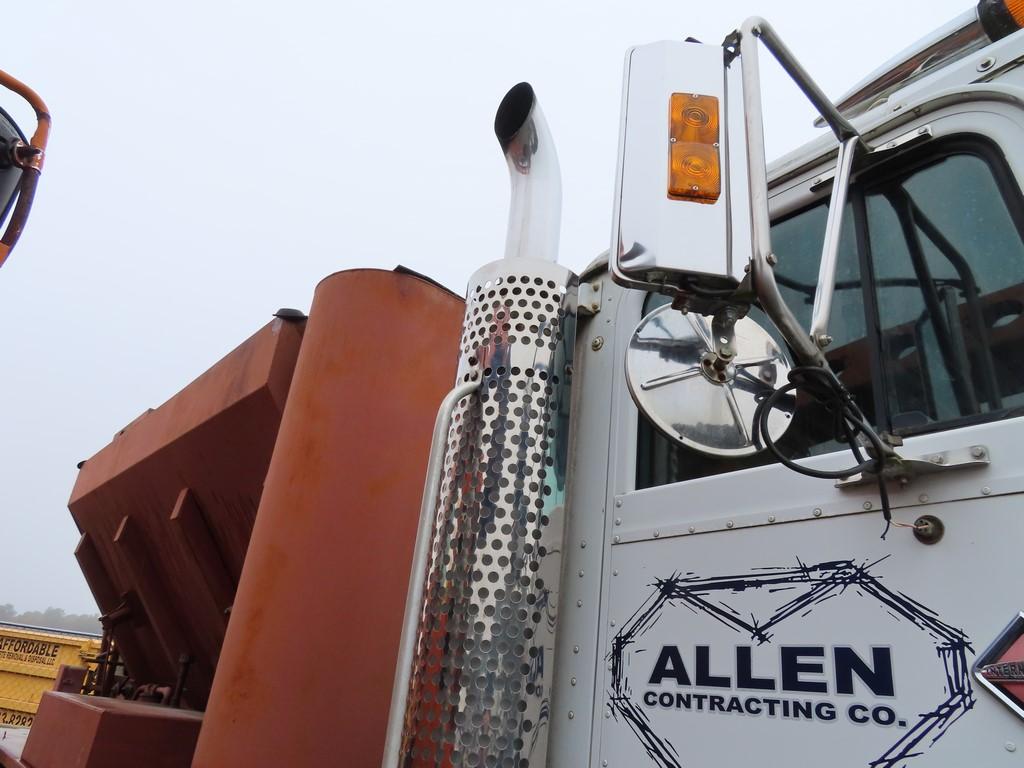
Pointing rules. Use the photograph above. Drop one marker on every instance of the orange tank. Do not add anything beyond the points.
(307, 665)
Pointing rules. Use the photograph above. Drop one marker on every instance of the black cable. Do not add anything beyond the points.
(850, 423)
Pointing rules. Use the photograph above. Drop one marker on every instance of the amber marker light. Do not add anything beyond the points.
(1000, 18)
(695, 171)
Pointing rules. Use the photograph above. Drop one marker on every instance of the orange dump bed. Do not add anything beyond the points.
(166, 510)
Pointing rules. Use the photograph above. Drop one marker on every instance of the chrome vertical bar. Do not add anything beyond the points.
(830, 250)
(762, 257)
(421, 555)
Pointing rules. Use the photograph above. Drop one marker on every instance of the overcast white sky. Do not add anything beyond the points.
(211, 161)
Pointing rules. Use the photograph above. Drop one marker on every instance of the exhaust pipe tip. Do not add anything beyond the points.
(513, 112)
(535, 208)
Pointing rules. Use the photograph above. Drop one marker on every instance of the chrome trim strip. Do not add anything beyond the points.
(830, 249)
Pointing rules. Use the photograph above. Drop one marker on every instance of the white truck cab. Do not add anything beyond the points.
(645, 583)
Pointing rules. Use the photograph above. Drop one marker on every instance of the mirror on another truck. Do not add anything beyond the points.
(21, 163)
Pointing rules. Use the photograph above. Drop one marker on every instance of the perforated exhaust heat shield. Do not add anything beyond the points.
(482, 673)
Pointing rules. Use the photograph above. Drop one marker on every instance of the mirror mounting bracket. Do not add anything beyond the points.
(904, 470)
(26, 157)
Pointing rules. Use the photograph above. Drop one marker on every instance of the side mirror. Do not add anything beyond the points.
(691, 202)
(21, 163)
(691, 222)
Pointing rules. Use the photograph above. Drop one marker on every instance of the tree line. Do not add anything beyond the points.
(52, 618)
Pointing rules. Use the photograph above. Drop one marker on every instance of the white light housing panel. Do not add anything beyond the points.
(682, 207)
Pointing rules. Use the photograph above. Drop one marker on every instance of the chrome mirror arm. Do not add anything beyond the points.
(806, 346)
(757, 27)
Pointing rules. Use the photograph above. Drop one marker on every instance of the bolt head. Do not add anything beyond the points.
(572, 681)
(868, 505)
(597, 343)
(657, 534)
(978, 452)
(692, 529)
(986, 491)
(923, 498)
(572, 715)
(817, 511)
(771, 518)
(730, 524)
(618, 539)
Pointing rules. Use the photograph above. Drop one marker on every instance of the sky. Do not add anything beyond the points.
(211, 161)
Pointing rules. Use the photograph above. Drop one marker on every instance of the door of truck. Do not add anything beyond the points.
(752, 615)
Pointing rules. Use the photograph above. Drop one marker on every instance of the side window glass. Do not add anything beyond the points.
(948, 262)
(940, 325)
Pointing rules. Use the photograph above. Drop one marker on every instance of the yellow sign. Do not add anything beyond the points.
(29, 651)
(29, 662)
(14, 719)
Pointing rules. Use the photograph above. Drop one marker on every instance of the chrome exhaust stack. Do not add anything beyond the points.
(475, 669)
(535, 211)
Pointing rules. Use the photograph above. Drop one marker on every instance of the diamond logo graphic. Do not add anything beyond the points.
(1000, 669)
(814, 584)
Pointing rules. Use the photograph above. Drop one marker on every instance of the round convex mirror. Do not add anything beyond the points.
(706, 409)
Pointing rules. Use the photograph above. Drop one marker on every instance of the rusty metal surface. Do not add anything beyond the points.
(166, 510)
(74, 731)
(324, 585)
